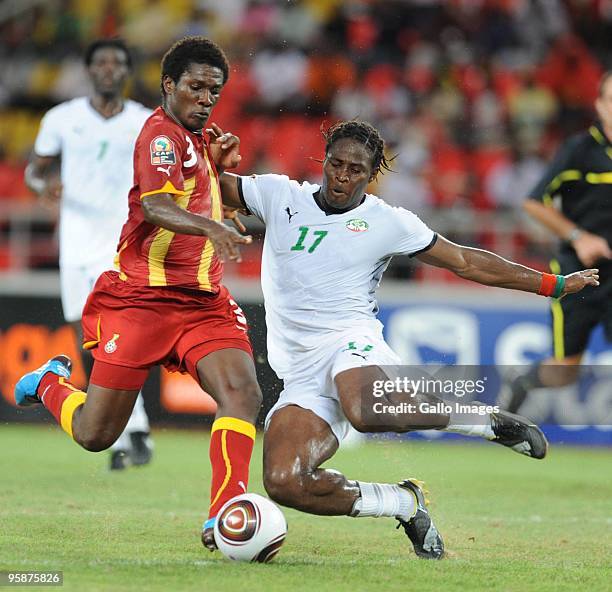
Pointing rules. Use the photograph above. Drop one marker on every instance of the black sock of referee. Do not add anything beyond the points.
(521, 386)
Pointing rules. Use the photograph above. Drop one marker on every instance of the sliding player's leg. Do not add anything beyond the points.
(355, 388)
(298, 441)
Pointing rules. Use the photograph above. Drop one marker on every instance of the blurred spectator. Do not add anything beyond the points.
(509, 182)
(532, 107)
(12, 185)
(279, 74)
(467, 93)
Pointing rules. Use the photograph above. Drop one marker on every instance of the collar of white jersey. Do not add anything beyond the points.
(367, 199)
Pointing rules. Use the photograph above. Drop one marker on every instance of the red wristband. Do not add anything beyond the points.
(547, 287)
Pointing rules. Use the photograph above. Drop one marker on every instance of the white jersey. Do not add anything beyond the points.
(320, 271)
(96, 172)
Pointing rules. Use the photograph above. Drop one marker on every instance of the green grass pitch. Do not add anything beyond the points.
(509, 523)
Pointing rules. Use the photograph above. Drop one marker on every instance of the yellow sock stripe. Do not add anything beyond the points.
(235, 425)
(70, 405)
(228, 467)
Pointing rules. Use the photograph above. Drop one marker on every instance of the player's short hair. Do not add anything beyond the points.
(602, 82)
(114, 43)
(363, 132)
(192, 50)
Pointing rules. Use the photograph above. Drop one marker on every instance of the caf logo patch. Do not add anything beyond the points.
(357, 225)
(111, 344)
(162, 151)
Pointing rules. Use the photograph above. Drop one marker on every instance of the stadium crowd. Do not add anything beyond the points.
(473, 96)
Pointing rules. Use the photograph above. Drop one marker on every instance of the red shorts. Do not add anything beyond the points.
(137, 327)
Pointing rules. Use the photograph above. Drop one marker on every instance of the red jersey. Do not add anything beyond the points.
(168, 158)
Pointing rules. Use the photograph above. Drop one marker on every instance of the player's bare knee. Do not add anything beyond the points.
(241, 398)
(282, 485)
(96, 441)
(353, 414)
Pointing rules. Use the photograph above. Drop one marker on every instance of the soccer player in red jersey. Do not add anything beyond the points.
(165, 304)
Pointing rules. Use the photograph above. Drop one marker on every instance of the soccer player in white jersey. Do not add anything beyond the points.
(326, 248)
(93, 139)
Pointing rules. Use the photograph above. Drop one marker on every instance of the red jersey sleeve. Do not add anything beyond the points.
(164, 153)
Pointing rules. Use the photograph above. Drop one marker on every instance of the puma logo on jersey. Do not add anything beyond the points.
(288, 210)
(360, 355)
(164, 170)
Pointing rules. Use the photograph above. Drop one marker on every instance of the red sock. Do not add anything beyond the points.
(61, 399)
(231, 445)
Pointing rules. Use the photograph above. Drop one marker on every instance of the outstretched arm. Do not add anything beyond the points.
(490, 269)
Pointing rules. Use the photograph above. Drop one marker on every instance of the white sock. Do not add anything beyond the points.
(480, 429)
(384, 499)
(123, 442)
(138, 422)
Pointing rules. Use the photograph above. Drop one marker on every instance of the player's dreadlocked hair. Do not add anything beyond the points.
(192, 50)
(363, 132)
(114, 43)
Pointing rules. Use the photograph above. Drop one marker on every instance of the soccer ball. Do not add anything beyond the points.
(250, 527)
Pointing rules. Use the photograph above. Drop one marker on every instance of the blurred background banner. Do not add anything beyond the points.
(473, 98)
(473, 329)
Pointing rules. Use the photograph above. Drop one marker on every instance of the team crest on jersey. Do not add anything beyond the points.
(111, 344)
(162, 151)
(357, 225)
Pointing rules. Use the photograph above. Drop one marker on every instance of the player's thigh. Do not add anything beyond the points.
(355, 387)
(356, 367)
(296, 442)
(229, 376)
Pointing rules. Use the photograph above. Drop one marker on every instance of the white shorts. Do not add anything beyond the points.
(76, 284)
(316, 389)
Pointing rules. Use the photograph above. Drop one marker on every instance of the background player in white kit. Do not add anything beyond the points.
(325, 250)
(93, 139)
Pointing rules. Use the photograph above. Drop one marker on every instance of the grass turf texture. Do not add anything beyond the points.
(510, 523)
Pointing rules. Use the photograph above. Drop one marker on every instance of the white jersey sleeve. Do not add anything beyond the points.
(49, 138)
(410, 234)
(261, 192)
